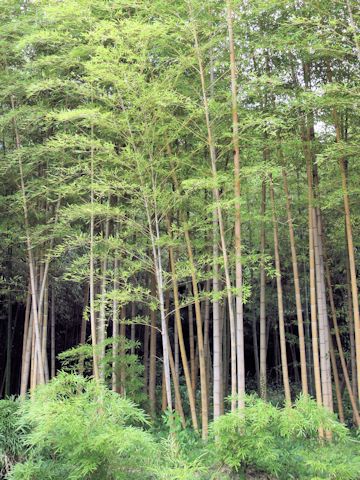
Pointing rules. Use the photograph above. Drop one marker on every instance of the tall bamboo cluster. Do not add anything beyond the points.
(181, 183)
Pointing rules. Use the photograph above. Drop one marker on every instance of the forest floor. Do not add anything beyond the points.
(253, 475)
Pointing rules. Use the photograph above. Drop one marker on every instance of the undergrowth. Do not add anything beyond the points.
(74, 428)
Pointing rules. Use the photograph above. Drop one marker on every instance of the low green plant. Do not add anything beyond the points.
(284, 442)
(11, 436)
(246, 438)
(81, 430)
(177, 463)
(77, 429)
(187, 439)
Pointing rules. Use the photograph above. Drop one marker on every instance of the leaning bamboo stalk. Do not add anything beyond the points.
(152, 359)
(200, 337)
(313, 311)
(199, 326)
(102, 311)
(336, 382)
(216, 195)
(115, 329)
(217, 333)
(237, 195)
(146, 357)
(52, 330)
(26, 358)
(217, 344)
(323, 317)
(299, 314)
(263, 336)
(206, 338)
(30, 254)
(156, 250)
(349, 236)
(192, 346)
(340, 348)
(181, 338)
(350, 317)
(92, 262)
(154, 235)
(284, 363)
(45, 333)
(25, 338)
(353, 279)
(178, 400)
(82, 339)
(122, 351)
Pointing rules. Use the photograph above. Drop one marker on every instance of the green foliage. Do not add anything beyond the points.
(74, 428)
(81, 430)
(187, 440)
(114, 87)
(178, 461)
(79, 359)
(11, 437)
(284, 442)
(245, 439)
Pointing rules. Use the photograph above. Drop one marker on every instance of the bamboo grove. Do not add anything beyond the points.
(180, 200)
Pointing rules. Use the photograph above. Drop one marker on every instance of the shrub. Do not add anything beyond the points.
(176, 463)
(82, 430)
(284, 442)
(11, 437)
(247, 439)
